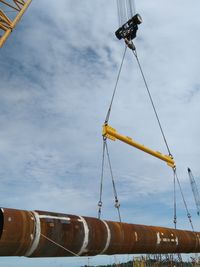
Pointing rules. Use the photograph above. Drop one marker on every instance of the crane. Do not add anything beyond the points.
(10, 14)
(194, 190)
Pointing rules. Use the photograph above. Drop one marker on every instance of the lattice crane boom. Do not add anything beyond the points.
(11, 12)
(194, 190)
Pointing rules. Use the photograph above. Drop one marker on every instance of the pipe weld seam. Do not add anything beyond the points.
(37, 234)
(108, 237)
(86, 236)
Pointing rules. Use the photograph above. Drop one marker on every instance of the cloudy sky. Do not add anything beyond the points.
(58, 70)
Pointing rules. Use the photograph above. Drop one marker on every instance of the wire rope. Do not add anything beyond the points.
(131, 8)
(100, 203)
(184, 201)
(175, 208)
(60, 246)
(167, 146)
(152, 102)
(115, 87)
(119, 13)
(117, 204)
(126, 10)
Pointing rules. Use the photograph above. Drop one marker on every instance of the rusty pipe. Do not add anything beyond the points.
(30, 234)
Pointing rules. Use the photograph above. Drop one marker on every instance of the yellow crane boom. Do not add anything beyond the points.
(16, 9)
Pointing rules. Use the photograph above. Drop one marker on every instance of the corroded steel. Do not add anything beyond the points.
(48, 234)
(17, 231)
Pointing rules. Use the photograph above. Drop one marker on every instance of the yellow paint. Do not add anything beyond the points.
(5, 23)
(112, 134)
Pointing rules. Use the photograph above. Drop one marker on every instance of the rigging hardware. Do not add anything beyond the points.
(100, 203)
(117, 203)
(184, 200)
(128, 30)
(112, 134)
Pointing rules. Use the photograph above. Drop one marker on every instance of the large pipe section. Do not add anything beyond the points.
(47, 234)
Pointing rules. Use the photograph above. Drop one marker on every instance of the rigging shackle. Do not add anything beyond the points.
(130, 44)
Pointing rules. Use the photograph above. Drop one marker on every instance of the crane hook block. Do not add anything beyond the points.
(111, 133)
(129, 29)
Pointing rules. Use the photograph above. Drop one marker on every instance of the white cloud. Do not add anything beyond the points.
(58, 70)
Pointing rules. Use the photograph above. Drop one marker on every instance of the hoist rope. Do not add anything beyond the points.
(130, 4)
(133, 7)
(115, 87)
(152, 102)
(126, 10)
(119, 13)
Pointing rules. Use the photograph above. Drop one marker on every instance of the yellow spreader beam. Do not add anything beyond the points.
(112, 134)
(16, 7)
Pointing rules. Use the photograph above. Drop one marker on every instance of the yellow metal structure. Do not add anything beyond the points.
(11, 12)
(112, 134)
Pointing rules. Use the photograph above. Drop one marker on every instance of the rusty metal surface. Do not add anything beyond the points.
(1, 223)
(17, 232)
(68, 233)
(97, 236)
(35, 234)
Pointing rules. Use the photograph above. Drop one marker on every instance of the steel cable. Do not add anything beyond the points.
(184, 201)
(119, 13)
(60, 246)
(167, 146)
(175, 213)
(100, 203)
(152, 102)
(117, 204)
(115, 88)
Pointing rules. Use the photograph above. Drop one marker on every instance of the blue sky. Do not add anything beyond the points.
(58, 71)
